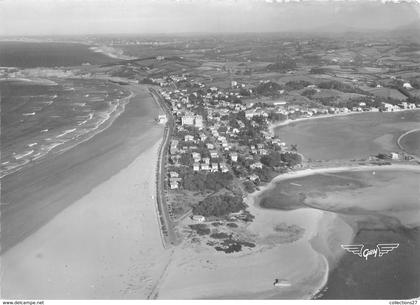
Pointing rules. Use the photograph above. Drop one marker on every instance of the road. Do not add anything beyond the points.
(167, 225)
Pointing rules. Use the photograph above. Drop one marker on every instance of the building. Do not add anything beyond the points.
(162, 119)
(394, 156)
(389, 107)
(234, 156)
(196, 167)
(173, 183)
(214, 167)
(407, 86)
(256, 165)
(205, 166)
(214, 154)
(198, 121)
(187, 120)
(199, 218)
(254, 178)
(173, 149)
(196, 156)
(173, 174)
(223, 168)
(203, 137)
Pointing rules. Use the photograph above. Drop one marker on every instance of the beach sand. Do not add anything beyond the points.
(106, 245)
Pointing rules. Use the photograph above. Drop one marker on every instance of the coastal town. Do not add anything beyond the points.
(223, 145)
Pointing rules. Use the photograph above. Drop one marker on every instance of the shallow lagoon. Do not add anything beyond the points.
(382, 206)
(349, 137)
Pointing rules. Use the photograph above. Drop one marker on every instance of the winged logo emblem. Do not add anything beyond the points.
(355, 249)
(386, 248)
(379, 251)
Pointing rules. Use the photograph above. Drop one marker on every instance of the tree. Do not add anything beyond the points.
(268, 89)
(219, 205)
(308, 92)
(274, 159)
(249, 186)
(297, 85)
(291, 159)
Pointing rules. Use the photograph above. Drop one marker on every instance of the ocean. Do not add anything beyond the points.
(38, 119)
(47, 115)
(48, 54)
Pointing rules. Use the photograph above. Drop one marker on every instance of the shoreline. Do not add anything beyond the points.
(309, 172)
(65, 178)
(72, 143)
(116, 222)
(286, 122)
(109, 51)
(402, 136)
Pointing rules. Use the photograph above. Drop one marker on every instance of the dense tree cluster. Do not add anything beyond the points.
(291, 159)
(249, 186)
(297, 85)
(276, 116)
(318, 70)
(308, 92)
(268, 89)
(274, 159)
(332, 84)
(283, 64)
(219, 205)
(277, 159)
(211, 181)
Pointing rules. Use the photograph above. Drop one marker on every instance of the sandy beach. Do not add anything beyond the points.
(106, 245)
(85, 220)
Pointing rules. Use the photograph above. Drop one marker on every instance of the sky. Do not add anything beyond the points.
(80, 17)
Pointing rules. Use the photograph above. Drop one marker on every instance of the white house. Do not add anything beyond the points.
(214, 167)
(214, 154)
(223, 168)
(407, 86)
(187, 119)
(256, 165)
(394, 156)
(234, 156)
(162, 119)
(199, 218)
(205, 166)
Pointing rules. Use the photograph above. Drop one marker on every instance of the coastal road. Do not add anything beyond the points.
(167, 225)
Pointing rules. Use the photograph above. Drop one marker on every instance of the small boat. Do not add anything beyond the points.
(281, 283)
